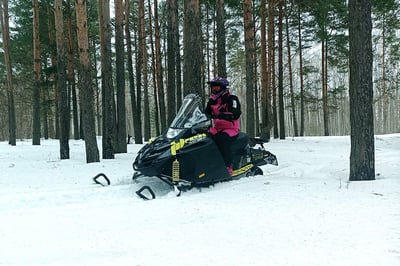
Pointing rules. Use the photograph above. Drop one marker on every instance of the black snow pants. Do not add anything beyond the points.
(224, 143)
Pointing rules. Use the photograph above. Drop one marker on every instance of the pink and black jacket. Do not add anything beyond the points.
(225, 111)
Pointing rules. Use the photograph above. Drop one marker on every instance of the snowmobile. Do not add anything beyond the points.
(185, 156)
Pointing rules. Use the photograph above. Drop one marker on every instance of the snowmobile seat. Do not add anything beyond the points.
(240, 143)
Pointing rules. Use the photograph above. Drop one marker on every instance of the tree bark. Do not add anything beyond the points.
(37, 74)
(106, 79)
(362, 155)
(61, 81)
(121, 143)
(324, 70)
(172, 24)
(178, 62)
(266, 124)
(292, 95)
(53, 76)
(192, 59)
(71, 51)
(7, 60)
(85, 84)
(250, 63)
(159, 71)
(301, 73)
(135, 116)
(153, 67)
(146, 102)
(271, 65)
(139, 73)
(280, 73)
(221, 39)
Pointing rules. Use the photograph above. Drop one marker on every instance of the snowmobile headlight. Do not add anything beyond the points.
(173, 132)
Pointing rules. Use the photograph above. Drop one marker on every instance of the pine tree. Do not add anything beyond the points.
(85, 84)
(362, 155)
(61, 81)
(106, 79)
(37, 76)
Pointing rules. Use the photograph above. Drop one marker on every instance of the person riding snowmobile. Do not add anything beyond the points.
(224, 109)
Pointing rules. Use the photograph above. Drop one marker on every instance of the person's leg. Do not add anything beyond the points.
(224, 143)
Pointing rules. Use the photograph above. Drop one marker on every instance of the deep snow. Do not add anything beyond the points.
(302, 212)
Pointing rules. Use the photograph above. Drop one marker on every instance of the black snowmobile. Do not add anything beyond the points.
(185, 156)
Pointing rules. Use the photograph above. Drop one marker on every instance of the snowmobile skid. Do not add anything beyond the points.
(185, 156)
(102, 182)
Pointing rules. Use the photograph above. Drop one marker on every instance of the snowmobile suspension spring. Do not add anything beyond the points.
(175, 170)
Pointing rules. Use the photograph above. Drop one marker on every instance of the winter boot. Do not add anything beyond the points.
(229, 169)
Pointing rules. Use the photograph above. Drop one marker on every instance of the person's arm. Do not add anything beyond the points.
(234, 111)
(208, 110)
(234, 106)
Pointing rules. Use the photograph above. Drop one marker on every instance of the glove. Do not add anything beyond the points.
(213, 131)
(208, 111)
(211, 101)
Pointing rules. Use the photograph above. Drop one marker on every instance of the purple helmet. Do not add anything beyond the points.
(219, 81)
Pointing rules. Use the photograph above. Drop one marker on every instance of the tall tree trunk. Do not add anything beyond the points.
(7, 60)
(71, 70)
(292, 96)
(97, 93)
(85, 84)
(214, 48)
(172, 23)
(256, 89)
(121, 142)
(208, 49)
(192, 57)
(139, 71)
(153, 68)
(221, 39)
(301, 72)
(265, 95)
(52, 76)
(146, 102)
(61, 81)
(45, 113)
(37, 74)
(325, 85)
(280, 73)
(135, 116)
(384, 90)
(250, 63)
(362, 155)
(271, 64)
(106, 79)
(159, 71)
(178, 62)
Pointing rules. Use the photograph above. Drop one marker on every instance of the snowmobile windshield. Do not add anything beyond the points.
(189, 115)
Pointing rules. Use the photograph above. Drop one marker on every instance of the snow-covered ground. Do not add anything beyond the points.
(302, 212)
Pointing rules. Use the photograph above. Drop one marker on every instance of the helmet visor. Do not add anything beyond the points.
(215, 88)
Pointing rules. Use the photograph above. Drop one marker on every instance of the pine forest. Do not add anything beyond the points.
(77, 69)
